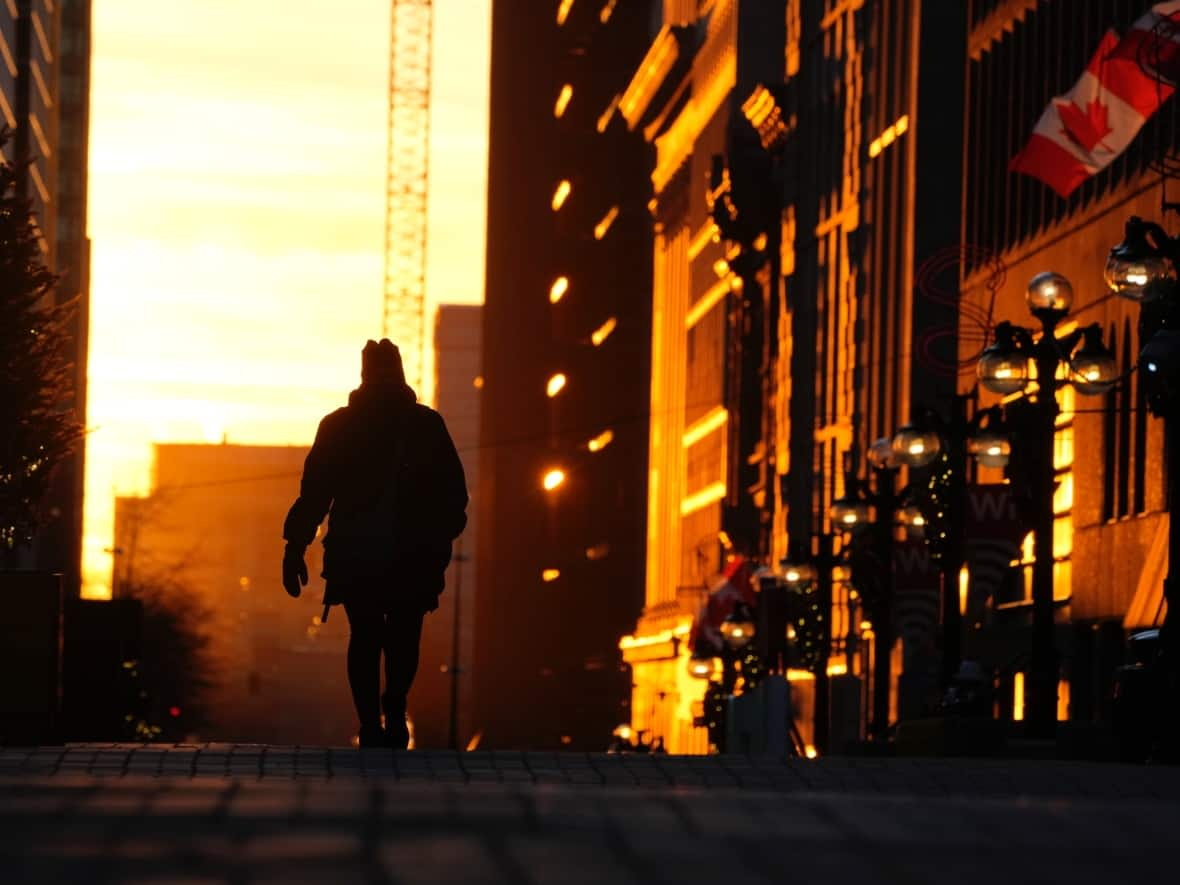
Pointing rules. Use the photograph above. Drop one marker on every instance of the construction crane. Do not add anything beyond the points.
(407, 182)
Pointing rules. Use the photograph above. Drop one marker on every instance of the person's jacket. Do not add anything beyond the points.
(385, 470)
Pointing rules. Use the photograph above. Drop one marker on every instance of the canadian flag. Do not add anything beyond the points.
(1082, 131)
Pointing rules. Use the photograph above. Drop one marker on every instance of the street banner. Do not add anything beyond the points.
(916, 606)
(1081, 132)
(994, 532)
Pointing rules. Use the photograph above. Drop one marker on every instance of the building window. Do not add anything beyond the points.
(561, 194)
(563, 100)
(603, 332)
(1063, 458)
(603, 227)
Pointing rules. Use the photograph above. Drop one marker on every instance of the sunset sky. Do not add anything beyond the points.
(237, 162)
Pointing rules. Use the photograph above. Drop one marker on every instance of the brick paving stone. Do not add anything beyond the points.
(335, 801)
(574, 760)
(616, 779)
(583, 777)
(434, 832)
(442, 860)
(571, 861)
(476, 760)
(181, 804)
(516, 775)
(270, 804)
(306, 847)
(482, 776)
(111, 803)
(549, 778)
(510, 765)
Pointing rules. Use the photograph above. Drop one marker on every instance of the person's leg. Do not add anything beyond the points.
(403, 635)
(367, 626)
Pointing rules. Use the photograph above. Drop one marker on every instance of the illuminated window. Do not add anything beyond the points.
(604, 120)
(712, 420)
(601, 441)
(556, 384)
(560, 195)
(558, 289)
(603, 332)
(1018, 697)
(703, 498)
(1063, 500)
(767, 117)
(563, 11)
(597, 552)
(890, 135)
(563, 100)
(601, 229)
(553, 478)
(550, 574)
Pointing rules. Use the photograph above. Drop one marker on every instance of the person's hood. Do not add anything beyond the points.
(382, 397)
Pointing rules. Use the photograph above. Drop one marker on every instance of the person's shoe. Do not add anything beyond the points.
(397, 733)
(374, 737)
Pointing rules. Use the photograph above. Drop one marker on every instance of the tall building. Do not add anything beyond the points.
(441, 701)
(804, 157)
(44, 101)
(837, 233)
(869, 327)
(211, 527)
(561, 495)
(1110, 509)
(709, 309)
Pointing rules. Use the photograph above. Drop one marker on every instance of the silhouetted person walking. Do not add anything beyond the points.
(387, 469)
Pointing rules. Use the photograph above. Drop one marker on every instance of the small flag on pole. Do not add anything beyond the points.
(1081, 132)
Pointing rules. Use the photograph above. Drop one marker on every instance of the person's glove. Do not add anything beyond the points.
(294, 571)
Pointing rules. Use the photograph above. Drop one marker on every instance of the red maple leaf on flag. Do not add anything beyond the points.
(1086, 128)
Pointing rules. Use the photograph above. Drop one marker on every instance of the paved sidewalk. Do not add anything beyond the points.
(152, 815)
(833, 774)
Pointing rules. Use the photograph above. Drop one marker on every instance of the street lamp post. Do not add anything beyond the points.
(799, 573)
(1143, 269)
(930, 441)
(737, 631)
(1004, 368)
(850, 513)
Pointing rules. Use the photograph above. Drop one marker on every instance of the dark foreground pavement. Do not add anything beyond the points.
(237, 814)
